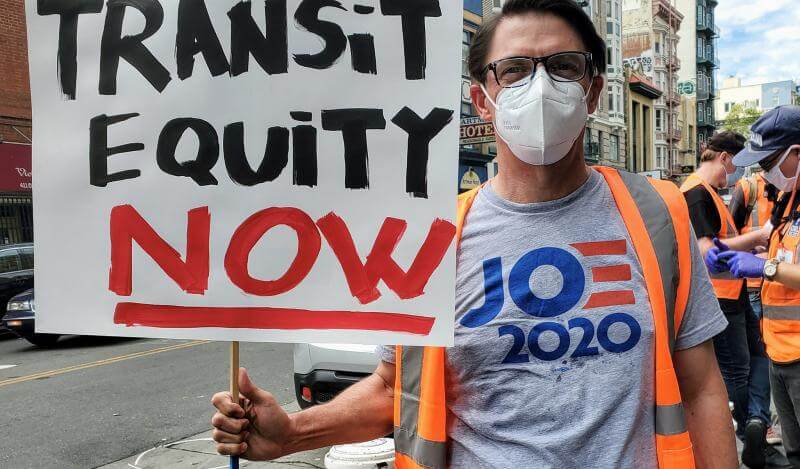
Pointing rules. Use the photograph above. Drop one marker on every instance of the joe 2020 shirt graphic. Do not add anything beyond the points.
(554, 338)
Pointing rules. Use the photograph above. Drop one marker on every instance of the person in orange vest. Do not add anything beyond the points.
(584, 312)
(775, 146)
(739, 349)
(751, 207)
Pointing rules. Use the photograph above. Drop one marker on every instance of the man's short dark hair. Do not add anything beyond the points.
(568, 10)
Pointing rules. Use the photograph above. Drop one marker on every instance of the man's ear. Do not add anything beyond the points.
(482, 105)
(595, 91)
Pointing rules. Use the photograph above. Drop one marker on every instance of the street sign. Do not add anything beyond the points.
(234, 171)
(470, 180)
(687, 88)
(476, 130)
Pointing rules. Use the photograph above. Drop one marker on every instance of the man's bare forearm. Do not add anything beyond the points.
(745, 242)
(705, 403)
(709, 421)
(362, 412)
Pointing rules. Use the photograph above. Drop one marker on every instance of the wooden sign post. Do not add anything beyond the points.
(235, 387)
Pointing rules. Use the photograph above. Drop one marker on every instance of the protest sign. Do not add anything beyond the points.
(279, 170)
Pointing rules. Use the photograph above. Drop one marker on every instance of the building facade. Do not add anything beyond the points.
(477, 144)
(761, 97)
(640, 97)
(650, 47)
(707, 65)
(16, 212)
(605, 139)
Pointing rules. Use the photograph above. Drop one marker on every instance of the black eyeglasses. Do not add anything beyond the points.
(514, 72)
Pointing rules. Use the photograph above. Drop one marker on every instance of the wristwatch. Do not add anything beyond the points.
(771, 269)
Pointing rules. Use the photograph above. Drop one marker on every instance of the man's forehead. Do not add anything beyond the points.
(533, 35)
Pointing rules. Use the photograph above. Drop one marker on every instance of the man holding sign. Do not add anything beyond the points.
(583, 310)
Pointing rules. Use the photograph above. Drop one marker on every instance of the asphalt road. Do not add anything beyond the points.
(92, 401)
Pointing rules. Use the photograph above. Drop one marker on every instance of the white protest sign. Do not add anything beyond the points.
(279, 170)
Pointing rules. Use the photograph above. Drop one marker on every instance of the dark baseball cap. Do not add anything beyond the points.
(727, 141)
(777, 129)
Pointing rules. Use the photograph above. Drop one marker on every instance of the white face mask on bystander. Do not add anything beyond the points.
(776, 177)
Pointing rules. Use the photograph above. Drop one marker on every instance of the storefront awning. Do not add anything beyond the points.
(15, 168)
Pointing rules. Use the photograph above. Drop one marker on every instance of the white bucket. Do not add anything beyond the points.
(375, 454)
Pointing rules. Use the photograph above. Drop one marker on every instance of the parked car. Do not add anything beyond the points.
(321, 371)
(16, 271)
(20, 319)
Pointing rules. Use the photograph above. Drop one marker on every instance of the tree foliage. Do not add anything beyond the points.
(740, 119)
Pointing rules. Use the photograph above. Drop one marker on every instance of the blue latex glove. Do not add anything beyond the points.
(713, 262)
(744, 264)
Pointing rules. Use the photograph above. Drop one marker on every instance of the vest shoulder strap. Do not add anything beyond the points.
(664, 220)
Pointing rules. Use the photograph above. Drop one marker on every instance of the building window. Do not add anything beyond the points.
(466, 109)
(613, 147)
(660, 157)
(599, 144)
(776, 101)
(727, 107)
(700, 47)
(659, 120)
(466, 39)
(609, 27)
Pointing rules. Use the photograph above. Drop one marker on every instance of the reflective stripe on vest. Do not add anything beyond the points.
(725, 285)
(656, 217)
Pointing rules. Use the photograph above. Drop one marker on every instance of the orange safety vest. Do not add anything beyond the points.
(726, 286)
(657, 220)
(780, 325)
(762, 211)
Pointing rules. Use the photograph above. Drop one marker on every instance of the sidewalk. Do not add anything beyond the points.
(203, 455)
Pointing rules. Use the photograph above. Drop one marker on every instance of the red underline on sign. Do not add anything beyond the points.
(192, 317)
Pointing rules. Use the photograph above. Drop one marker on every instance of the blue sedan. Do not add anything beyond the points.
(20, 318)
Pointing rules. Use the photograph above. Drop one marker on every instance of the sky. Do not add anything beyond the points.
(759, 40)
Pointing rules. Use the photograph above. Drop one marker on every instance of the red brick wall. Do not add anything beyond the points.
(15, 94)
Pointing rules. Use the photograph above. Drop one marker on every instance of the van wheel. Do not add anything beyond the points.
(43, 340)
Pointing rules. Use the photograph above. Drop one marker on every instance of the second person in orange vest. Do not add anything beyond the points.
(739, 349)
(775, 146)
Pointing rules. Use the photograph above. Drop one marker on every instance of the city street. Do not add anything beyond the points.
(92, 401)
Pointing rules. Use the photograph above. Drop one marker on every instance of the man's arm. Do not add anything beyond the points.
(788, 275)
(264, 431)
(705, 403)
(362, 412)
(745, 242)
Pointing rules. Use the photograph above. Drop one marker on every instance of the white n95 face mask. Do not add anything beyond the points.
(541, 121)
(776, 177)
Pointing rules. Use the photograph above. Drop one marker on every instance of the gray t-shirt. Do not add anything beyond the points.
(554, 338)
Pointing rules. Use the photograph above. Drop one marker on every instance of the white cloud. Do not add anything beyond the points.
(741, 12)
(760, 39)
